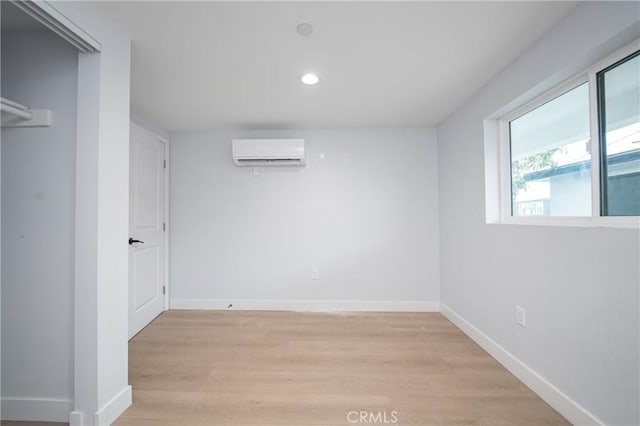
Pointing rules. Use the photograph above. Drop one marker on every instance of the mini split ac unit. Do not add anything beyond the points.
(268, 152)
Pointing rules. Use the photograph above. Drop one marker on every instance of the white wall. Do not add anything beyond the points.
(370, 225)
(38, 197)
(579, 285)
(101, 392)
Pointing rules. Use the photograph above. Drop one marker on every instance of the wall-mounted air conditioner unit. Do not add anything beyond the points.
(268, 152)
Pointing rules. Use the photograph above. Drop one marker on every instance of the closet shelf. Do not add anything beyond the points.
(18, 115)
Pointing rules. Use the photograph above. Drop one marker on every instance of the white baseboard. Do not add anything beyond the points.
(307, 305)
(564, 405)
(114, 408)
(76, 418)
(36, 410)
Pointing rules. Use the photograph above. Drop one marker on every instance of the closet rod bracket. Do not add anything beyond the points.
(18, 115)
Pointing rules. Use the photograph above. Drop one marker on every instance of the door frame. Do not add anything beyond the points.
(166, 142)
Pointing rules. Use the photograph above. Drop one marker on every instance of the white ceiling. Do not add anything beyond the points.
(222, 65)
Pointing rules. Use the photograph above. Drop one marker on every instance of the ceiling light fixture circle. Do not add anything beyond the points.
(309, 79)
(304, 29)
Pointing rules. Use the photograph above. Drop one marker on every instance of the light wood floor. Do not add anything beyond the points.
(195, 368)
(12, 423)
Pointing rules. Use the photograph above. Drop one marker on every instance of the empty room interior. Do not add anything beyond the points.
(320, 213)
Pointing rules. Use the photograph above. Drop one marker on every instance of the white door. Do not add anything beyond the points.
(146, 229)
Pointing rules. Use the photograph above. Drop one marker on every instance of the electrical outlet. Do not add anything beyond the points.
(315, 274)
(520, 316)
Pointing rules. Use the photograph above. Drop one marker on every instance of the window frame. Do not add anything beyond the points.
(601, 117)
(596, 219)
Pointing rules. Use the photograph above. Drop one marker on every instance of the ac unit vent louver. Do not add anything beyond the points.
(268, 152)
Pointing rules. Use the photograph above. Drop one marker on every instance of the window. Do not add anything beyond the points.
(575, 151)
(550, 158)
(619, 125)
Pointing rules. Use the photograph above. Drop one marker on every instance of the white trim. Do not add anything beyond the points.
(631, 222)
(36, 410)
(167, 194)
(308, 305)
(504, 170)
(114, 408)
(76, 418)
(571, 410)
(45, 13)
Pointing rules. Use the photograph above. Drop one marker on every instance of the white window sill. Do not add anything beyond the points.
(628, 222)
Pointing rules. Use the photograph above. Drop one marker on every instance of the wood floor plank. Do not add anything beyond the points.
(15, 423)
(196, 368)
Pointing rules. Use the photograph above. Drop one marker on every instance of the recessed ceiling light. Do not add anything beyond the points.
(309, 79)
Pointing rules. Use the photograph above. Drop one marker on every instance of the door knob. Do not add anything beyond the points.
(131, 241)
